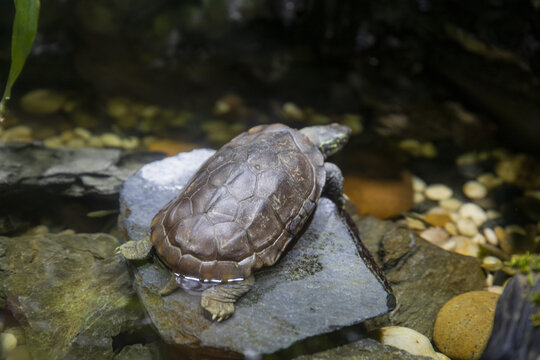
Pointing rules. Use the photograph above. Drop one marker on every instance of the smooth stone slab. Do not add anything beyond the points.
(72, 172)
(320, 285)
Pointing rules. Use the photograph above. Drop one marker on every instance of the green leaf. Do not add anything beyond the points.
(24, 32)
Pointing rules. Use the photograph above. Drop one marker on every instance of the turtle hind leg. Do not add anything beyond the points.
(135, 250)
(219, 300)
(333, 187)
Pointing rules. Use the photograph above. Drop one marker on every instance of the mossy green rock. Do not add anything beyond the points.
(70, 294)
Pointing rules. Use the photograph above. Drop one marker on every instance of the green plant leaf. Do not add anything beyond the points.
(24, 32)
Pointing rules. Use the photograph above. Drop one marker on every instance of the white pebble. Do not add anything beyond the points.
(474, 190)
(407, 339)
(450, 204)
(489, 280)
(478, 239)
(9, 342)
(418, 197)
(473, 212)
(467, 227)
(490, 236)
(418, 184)
(438, 192)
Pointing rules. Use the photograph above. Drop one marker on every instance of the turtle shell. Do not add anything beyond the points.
(242, 207)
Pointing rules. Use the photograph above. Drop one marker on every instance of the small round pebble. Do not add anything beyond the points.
(438, 192)
(467, 227)
(474, 190)
(418, 198)
(9, 342)
(473, 212)
(492, 263)
(418, 184)
(111, 140)
(451, 228)
(406, 339)
(490, 236)
(463, 325)
(292, 111)
(450, 204)
(42, 102)
(435, 235)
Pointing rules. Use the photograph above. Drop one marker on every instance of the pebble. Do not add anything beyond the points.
(492, 263)
(75, 143)
(53, 142)
(171, 147)
(227, 104)
(82, 133)
(474, 190)
(405, 339)
(437, 219)
(412, 146)
(418, 198)
(415, 224)
(130, 143)
(95, 142)
(473, 212)
(9, 342)
(493, 214)
(117, 107)
(450, 204)
(451, 228)
(111, 140)
(463, 325)
(467, 227)
(489, 180)
(418, 184)
(37, 230)
(438, 192)
(428, 150)
(292, 111)
(464, 246)
(478, 239)
(17, 133)
(490, 236)
(42, 102)
(435, 235)
(18, 332)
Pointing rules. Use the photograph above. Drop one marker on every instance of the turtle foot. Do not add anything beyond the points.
(135, 250)
(219, 310)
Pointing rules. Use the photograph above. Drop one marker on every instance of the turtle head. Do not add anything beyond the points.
(328, 138)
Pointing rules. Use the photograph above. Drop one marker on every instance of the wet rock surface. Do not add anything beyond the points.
(365, 349)
(72, 172)
(71, 296)
(423, 276)
(514, 336)
(320, 285)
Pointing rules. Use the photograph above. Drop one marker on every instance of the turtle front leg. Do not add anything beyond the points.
(219, 300)
(135, 250)
(333, 188)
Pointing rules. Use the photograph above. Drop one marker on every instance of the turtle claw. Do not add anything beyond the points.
(219, 310)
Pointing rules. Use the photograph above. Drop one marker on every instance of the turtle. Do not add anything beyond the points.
(241, 210)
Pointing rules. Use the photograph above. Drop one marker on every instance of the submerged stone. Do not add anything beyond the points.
(320, 285)
(70, 295)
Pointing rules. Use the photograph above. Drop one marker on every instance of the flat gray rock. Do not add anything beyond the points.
(72, 172)
(320, 285)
